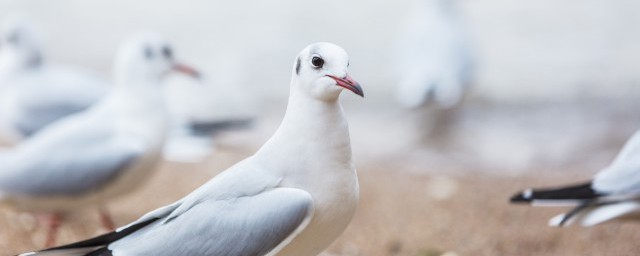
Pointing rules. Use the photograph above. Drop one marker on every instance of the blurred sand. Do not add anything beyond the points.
(400, 213)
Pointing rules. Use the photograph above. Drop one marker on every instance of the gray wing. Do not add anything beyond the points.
(53, 94)
(71, 161)
(36, 117)
(250, 225)
(623, 175)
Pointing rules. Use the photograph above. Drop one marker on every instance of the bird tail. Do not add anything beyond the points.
(574, 195)
(594, 215)
(70, 252)
(209, 128)
(97, 246)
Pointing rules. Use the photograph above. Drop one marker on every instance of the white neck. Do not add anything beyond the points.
(140, 110)
(306, 122)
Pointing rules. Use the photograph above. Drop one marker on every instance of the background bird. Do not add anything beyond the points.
(292, 197)
(33, 92)
(434, 59)
(434, 67)
(93, 156)
(613, 193)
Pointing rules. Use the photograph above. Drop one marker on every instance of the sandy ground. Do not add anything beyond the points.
(400, 213)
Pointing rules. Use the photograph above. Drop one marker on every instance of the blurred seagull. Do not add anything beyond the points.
(613, 193)
(34, 93)
(88, 158)
(292, 197)
(434, 58)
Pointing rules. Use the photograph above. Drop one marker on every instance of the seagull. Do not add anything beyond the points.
(33, 92)
(294, 196)
(613, 193)
(88, 158)
(434, 58)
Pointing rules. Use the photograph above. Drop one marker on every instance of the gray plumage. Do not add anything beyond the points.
(75, 156)
(248, 225)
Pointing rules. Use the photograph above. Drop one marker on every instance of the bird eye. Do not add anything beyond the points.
(317, 62)
(167, 52)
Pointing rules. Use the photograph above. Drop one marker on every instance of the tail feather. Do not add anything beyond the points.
(609, 212)
(96, 246)
(64, 252)
(593, 215)
(570, 195)
(209, 128)
(567, 218)
(560, 221)
(101, 252)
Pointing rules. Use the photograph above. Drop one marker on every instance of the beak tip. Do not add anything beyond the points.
(349, 84)
(188, 71)
(357, 89)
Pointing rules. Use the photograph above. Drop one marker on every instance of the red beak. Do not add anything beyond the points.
(187, 70)
(348, 83)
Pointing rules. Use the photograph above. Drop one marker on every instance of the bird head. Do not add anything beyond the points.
(320, 70)
(147, 58)
(19, 43)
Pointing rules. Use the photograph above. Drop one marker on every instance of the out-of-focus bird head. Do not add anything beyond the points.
(19, 43)
(320, 70)
(147, 58)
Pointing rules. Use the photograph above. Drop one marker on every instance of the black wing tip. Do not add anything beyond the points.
(101, 252)
(583, 191)
(101, 242)
(522, 197)
(208, 128)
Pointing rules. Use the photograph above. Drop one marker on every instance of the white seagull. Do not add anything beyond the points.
(434, 57)
(88, 158)
(613, 193)
(33, 92)
(292, 197)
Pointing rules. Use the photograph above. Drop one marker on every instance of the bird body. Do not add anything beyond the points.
(434, 59)
(82, 141)
(108, 150)
(294, 196)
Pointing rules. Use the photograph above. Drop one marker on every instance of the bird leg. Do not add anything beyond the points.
(53, 223)
(105, 219)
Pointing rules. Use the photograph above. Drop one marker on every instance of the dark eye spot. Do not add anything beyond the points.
(317, 62)
(298, 66)
(167, 52)
(148, 53)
